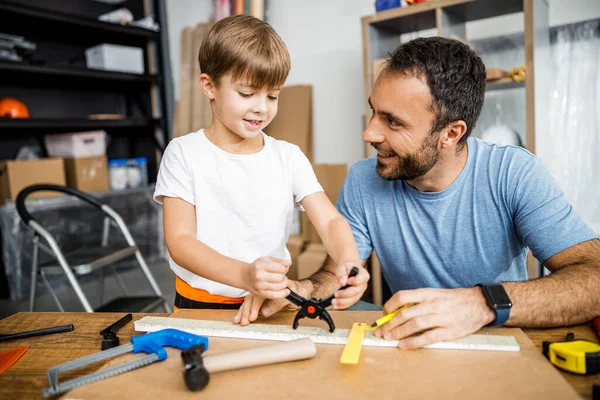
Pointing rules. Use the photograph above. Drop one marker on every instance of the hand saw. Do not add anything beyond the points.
(151, 343)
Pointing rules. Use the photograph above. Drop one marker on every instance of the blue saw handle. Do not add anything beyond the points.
(155, 342)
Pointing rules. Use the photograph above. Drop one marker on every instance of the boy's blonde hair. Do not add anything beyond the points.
(247, 47)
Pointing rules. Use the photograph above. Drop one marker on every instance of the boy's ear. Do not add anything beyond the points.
(208, 86)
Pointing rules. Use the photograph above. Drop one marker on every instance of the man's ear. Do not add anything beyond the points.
(452, 133)
(208, 86)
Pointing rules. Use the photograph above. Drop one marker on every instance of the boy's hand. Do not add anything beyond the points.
(266, 278)
(249, 310)
(358, 284)
(254, 305)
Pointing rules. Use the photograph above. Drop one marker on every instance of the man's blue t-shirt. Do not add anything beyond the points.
(475, 231)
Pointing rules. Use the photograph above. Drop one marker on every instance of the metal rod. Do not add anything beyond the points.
(37, 332)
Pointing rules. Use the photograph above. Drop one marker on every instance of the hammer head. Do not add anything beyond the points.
(195, 375)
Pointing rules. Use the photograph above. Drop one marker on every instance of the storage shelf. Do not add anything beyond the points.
(504, 85)
(71, 124)
(18, 19)
(475, 10)
(15, 68)
(465, 10)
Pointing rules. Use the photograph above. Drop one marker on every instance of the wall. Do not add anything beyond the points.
(324, 40)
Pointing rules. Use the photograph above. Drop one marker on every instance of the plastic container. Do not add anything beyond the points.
(76, 145)
(128, 173)
(382, 5)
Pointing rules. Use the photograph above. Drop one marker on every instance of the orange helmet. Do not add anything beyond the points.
(13, 108)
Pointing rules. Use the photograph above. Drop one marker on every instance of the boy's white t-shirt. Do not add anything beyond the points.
(244, 202)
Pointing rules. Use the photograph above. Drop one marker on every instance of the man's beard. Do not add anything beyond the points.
(411, 166)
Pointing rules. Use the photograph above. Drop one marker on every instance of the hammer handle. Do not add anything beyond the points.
(298, 349)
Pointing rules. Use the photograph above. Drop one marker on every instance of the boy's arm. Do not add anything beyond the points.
(337, 237)
(264, 277)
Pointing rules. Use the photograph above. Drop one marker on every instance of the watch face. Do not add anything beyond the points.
(499, 297)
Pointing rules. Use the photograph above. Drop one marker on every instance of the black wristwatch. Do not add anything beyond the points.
(498, 300)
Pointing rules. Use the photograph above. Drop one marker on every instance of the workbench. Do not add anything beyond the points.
(26, 378)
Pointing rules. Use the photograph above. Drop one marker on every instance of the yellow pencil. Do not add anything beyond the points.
(387, 317)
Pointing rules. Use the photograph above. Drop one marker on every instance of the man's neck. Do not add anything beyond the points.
(444, 173)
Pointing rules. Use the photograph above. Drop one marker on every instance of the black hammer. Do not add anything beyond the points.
(197, 367)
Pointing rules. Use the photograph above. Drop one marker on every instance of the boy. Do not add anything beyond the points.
(229, 190)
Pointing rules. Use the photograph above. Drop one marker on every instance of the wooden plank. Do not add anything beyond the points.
(257, 8)
(529, 35)
(376, 280)
(201, 111)
(367, 73)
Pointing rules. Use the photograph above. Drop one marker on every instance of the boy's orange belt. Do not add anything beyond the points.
(190, 297)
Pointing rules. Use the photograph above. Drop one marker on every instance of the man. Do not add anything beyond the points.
(446, 212)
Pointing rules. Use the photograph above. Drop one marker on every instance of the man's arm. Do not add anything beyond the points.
(324, 282)
(570, 295)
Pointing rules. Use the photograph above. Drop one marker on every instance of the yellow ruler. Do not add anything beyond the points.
(351, 353)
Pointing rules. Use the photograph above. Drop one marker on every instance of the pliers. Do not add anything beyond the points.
(313, 308)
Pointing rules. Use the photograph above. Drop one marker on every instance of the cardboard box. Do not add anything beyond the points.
(88, 174)
(311, 260)
(331, 177)
(77, 144)
(115, 57)
(295, 246)
(15, 175)
(293, 122)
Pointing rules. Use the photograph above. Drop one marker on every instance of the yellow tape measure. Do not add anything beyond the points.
(577, 356)
(351, 353)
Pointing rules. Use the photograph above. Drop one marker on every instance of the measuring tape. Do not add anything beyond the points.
(577, 356)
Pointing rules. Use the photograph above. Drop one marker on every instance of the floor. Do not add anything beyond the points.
(134, 280)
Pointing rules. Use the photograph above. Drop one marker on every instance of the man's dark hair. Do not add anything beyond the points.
(454, 73)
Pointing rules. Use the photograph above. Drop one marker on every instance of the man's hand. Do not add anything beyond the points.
(253, 305)
(265, 278)
(358, 284)
(441, 314)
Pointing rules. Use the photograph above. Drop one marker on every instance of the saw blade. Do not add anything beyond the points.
(99, 375)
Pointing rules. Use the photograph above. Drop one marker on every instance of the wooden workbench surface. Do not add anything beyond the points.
(28, 377)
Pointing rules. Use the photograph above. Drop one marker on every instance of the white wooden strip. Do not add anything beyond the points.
(317, 335)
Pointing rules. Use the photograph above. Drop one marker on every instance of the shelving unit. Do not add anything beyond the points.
(19, 70)
(382, 32)
(61, 92)
(52, 124)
